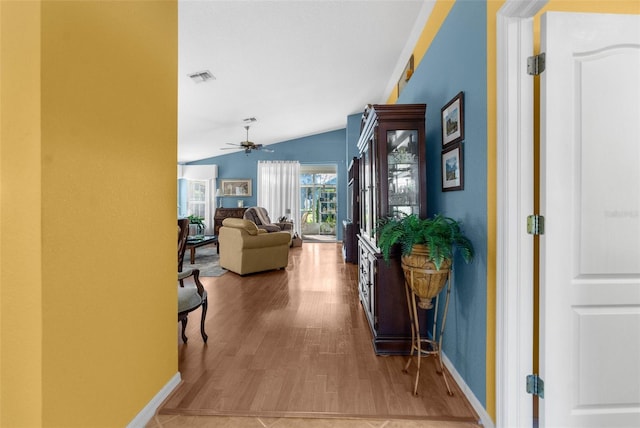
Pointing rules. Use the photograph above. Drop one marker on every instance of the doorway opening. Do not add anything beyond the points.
(318, 202)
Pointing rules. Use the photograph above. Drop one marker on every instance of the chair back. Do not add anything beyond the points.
(183, 233)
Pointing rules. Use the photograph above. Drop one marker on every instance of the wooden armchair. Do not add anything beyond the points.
(193, 295)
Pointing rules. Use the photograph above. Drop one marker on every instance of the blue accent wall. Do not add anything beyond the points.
(456, 61)
(325, 148)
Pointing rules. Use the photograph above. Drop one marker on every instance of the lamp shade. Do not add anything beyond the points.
(218, 192)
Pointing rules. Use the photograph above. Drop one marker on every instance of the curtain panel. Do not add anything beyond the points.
(279, 190)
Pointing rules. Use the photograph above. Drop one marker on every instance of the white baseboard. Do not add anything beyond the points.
(150, 409)
(485, 419)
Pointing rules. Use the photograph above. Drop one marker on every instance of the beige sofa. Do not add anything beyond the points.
(246, 249)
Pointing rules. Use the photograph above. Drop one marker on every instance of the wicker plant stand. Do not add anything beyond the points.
(426, 346)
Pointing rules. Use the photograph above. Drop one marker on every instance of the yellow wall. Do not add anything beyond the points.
(492, 144)
(20, 216)
(91, 168)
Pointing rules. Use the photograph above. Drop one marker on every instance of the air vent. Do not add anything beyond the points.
(202, 76)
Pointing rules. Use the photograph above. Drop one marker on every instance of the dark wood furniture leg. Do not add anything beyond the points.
(205, 305)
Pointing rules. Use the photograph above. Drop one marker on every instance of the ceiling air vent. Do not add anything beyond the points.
(202, 76)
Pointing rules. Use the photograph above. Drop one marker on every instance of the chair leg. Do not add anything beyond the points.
(184, 326)
(205, 304)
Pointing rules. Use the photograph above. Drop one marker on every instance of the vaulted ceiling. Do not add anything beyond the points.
(299, 67)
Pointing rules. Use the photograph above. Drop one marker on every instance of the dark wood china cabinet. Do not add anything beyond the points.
(392, 182)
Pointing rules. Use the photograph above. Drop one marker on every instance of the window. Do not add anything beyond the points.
(318, 200)
(199, 200)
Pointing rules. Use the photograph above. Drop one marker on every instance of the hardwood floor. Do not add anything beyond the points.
(295, 343)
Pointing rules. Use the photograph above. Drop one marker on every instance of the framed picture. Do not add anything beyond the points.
(406, 75)
(236, 187)
(453, 120)
(452, 168)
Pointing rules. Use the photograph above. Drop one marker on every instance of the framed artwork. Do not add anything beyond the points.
(406, 75)
(452, 168)
(452, 117)
(236, 187)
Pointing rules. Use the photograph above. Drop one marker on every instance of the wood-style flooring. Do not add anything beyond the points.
(295, 343)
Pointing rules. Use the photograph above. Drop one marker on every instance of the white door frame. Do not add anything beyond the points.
(514, 257)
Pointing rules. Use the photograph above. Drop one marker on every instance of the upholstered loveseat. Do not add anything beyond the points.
(246, 249)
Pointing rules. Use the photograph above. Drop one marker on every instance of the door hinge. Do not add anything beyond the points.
(535, 385)
(536, 64)
(535, 224)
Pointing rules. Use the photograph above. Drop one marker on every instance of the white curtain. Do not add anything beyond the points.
(279, 190)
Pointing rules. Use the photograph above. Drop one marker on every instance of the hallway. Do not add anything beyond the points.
(295, 344)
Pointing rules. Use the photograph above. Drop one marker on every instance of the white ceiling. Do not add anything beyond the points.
(300, 67)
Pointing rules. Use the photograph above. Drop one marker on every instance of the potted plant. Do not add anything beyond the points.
(198, 223)
(426, 247)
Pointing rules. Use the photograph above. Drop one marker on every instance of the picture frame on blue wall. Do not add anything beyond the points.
(236, 187)
(452, 168)
(452, 120)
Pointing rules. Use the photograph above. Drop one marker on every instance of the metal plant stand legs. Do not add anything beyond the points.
(431, 346)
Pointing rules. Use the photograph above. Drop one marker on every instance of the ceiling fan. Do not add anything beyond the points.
(247, 145)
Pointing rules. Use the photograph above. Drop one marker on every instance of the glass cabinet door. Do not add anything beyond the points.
(403, 174)
(365, 201)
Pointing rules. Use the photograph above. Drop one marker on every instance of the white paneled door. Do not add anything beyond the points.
(590, 198)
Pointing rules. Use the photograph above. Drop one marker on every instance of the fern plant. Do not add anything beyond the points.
(439, 234)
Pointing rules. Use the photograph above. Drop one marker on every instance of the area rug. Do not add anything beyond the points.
(207, 260)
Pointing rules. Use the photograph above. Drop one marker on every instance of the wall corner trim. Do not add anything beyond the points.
(485, 419)
(150, 409)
